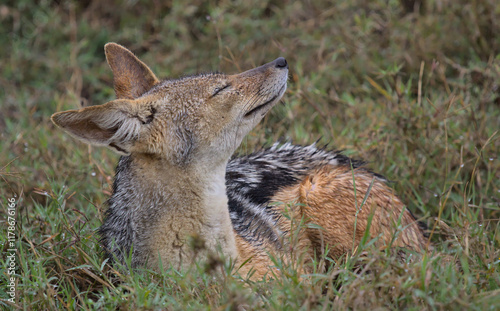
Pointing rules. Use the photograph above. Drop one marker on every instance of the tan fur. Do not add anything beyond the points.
(191, 211)
(179, 136)
(252, 260)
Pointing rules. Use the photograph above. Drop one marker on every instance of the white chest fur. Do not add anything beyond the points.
(217, 230)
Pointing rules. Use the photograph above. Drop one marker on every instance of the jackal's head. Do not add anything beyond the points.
(196, 117)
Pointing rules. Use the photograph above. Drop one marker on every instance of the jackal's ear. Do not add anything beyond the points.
(115, 124)
(131, 77)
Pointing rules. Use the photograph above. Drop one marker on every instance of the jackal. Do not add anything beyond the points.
(176, 179)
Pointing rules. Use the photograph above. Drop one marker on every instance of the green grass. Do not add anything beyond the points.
(415, 94)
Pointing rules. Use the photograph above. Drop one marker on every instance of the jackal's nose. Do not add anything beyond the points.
(281, 63)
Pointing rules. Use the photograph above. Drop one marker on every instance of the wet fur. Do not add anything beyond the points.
(316, 185)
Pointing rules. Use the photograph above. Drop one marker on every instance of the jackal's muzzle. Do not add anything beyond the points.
(267, 83)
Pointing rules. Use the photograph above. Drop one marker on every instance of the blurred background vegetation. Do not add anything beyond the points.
(411, 86)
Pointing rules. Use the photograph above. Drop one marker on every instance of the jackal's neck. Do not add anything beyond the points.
(163, 206)
(180, 189)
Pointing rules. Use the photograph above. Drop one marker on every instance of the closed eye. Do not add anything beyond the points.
(220, 89)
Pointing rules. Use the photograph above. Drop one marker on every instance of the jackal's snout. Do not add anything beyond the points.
(265, 86)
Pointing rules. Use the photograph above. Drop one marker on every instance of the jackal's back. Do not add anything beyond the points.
(260, 184)
(253, 180)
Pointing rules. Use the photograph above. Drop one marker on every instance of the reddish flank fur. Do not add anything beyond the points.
(327, 199)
